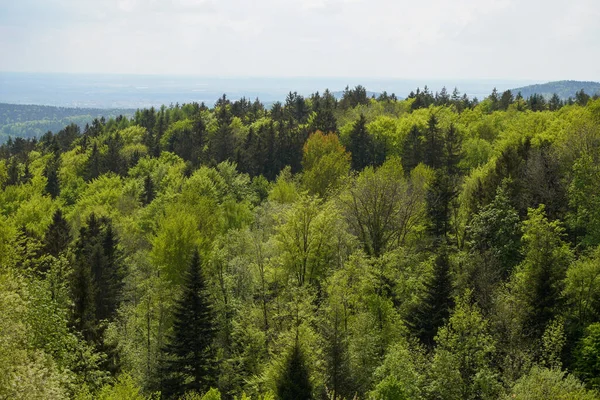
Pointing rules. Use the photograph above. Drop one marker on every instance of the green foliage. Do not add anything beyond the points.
(325, 273)
(189, 356)
(543, 383)
(294, 381)
(325, 163)
(588, 356)
(462, 363)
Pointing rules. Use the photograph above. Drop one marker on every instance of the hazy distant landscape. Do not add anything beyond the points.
(33, 104)
(138, 91)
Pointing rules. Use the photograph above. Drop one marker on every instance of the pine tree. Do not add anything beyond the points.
(294, 382)
(189, 362)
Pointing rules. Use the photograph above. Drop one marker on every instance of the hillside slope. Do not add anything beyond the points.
(564, 89)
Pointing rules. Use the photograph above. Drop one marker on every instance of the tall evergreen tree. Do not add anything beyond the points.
(95, 164)
(189, 358)
(58, 235)
(294, 382)
(149, 192)
(433, 147)
(412, 153)
(434, 308)
(360, 144)
(52, 182)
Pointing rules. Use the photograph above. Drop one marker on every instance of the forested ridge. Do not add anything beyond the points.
(436, 247)
(29, 120)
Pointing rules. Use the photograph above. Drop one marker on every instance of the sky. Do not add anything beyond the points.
(461, 39)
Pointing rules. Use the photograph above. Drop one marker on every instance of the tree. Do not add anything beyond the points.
(582, 98)
(582, 290)
(440, 195)
(189, 357)
(294, 381)
(543, 383)
(495, 231)
(506, 100)
(400, 376)
(95, 164)
(97, 278)
(462, 362)
(360, 145)
(383, 206)
(433, 150)
(588, 356)
(412, 151)
(554, 103)
(149, 192)
(58, 235)
(325, 163)
(436, 302)
(52, 182)
(539, 279)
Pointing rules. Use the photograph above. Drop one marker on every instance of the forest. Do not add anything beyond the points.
(436, 247)
(29, 121)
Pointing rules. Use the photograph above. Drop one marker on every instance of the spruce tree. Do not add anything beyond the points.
(412, 153)
(433, 147)
(95, 164)
(360, 145)
(294, 382)
(58, 235)
(149, 192)
(52, 182)
(434, 308)
(189, 357)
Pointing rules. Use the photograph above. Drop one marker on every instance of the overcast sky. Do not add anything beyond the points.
(464, 39)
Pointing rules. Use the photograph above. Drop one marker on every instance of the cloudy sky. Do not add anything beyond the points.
(508, 39)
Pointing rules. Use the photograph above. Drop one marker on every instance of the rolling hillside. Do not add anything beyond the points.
(564, 89)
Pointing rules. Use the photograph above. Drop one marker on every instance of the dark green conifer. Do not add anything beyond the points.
(149, 192)
(360, 144)
(294, 382)
(434, 308)
(189, 358)
(58, 235)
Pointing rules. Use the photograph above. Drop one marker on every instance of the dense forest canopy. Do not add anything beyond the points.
(29, 120)
(436, 247)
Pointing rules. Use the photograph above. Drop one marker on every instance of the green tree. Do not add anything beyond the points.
(462, 366)
(539, 280)
(58, 236)
(360, 144)
(325, 163)
(382, 207)
(294, 381)
(543, 383)
(588, 356)
(189, 362)
(434, 307)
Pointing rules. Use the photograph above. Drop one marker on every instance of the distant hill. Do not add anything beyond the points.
(564, 89)
(19, 120)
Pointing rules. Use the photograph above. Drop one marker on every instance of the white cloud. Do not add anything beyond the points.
(385, 38)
